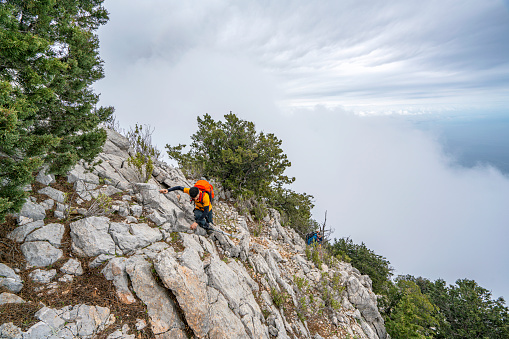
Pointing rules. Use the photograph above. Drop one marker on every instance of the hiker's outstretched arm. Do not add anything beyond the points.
(180, 188)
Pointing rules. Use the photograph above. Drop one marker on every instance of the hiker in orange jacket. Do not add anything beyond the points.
(202, 206)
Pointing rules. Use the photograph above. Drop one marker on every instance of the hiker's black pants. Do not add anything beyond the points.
(204, 222)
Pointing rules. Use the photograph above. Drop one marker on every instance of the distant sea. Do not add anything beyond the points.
(472, 139)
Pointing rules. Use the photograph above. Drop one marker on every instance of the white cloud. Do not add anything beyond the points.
(387, 184)
(347, 52)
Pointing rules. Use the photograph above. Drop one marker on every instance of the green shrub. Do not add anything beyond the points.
(279, 298)
(313, 254)
(100, 206)
(145, 154)
(301, 283)
(366, 261)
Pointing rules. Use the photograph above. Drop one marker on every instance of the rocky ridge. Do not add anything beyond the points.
(189, 284)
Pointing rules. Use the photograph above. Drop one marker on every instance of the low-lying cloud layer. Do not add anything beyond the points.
(389, 185)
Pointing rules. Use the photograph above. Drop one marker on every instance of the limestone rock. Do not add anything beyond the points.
(33, 211)
(53, 194)
(51, 233)
(80, 173)
(19, 233)
(190, 291)
(40, 253)
(45, 178)
(115, 271)
(42, 276)
(130, 237)
(161, 309)
(72, 266)
(9, 331)
(223, 322)
(9, 279)
(90, 237)
(9, 298)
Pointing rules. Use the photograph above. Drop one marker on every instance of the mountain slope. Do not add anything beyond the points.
(98, 255)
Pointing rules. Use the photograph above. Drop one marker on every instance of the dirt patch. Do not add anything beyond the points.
(176, 242)
(21, 315)
(10, 252)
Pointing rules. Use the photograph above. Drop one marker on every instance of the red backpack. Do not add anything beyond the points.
(205, 186)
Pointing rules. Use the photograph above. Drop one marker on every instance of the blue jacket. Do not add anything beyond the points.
(314, 238)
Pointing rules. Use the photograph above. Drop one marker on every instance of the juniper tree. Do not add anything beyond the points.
(48, 61)
(232, 151)
(248, 163)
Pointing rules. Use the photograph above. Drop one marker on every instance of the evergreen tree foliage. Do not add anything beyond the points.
(469, 310)
(366, 261)
(48, 62)
(248, 163)
(413, 316)
(295, 209)
(465, 310)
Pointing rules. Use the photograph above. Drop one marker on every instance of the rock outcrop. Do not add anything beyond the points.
(191, 284)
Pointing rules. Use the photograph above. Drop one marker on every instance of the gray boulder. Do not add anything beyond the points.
(42, 276)
(151, 198)
(109, 172)
(223, 322)
(19, 233)
(115, 271)
(365, 301)
(33, 211)
(45, 178)
(239, 295)
(130, 237)
(9, 279)
(116, 143)
(90, 237)
(9, 331)
(40, 253)
(53, 194)
(80, 173)
(80, 321)
(190, 291)
(9, 298)
(116, 168)
(72, 266)
(52, 233)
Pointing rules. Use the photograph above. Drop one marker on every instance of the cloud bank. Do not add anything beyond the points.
(391, 186)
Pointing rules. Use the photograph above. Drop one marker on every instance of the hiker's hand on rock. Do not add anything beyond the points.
(178, 196)
(163, 191)
(193, 225)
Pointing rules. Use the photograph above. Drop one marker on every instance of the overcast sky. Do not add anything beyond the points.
(323, 76)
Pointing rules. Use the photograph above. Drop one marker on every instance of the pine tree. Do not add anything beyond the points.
(48, 61)
(248, 163)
